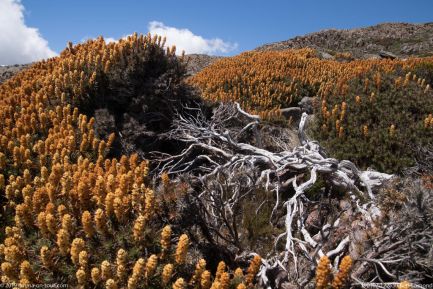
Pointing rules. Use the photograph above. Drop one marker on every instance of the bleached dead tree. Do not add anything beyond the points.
(215, 152)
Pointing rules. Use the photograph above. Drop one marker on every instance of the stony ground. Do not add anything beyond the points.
(401, 39)
(197, 62)
(8, 71)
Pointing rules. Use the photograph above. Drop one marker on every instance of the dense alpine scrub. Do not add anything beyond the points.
(81, 204)
(379, 122)
(74, 209)
(374, 112)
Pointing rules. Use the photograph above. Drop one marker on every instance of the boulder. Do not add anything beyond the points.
(387, 55)
(371, 56)
(407, 49)
(307, 104)
(326, 56)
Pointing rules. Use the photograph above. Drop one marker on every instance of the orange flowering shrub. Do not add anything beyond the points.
(73, 214)
(368, 110)
(264, 81)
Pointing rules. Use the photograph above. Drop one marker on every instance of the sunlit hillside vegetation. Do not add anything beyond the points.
(71, 214)
(81, 205)
(373, 112)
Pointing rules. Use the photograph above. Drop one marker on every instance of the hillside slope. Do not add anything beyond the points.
(401, 39)
(195, 63)
(8, 71)
(345, 96)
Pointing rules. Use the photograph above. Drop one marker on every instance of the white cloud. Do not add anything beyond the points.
(185, 40)
(109, 39)
(18, 42)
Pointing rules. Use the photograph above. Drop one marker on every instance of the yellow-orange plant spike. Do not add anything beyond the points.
(253, 269)
(182, 249)
(165, 240)
(95, 275)
(167, 272)
(179, 284)
(343, 273)
(200, 267)
(323, 272)
(205, 280)
(404, 285)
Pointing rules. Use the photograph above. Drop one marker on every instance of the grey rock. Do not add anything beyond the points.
(326, 56)
(372, 46)
(407, 49)
(7, 71)
(197, 62)
(307, 104)
(371, 56)
(360, 42)
(387, 55)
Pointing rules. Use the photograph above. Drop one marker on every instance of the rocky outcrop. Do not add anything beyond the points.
(400, 39)
(307, 104)
(10, 70)
(387, 55)
(196, 62)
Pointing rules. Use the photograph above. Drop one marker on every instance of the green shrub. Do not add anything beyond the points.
(425, 71)
(394, 103)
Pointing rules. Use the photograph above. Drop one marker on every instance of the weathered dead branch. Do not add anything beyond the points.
(230, 170)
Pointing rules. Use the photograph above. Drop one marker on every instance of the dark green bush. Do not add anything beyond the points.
(404, 106)
(425, 70)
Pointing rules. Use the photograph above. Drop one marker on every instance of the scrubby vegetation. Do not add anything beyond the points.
(373, 112)
(260, 82)
(379, 122)
(115, 173)
(72, 214)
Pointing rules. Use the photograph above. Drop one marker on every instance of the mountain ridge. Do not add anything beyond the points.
(401, 39)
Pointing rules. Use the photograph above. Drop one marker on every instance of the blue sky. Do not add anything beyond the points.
(248, 23)
(243, 25)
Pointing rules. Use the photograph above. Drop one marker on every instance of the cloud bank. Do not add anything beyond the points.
(185, 40)
(19, 43)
